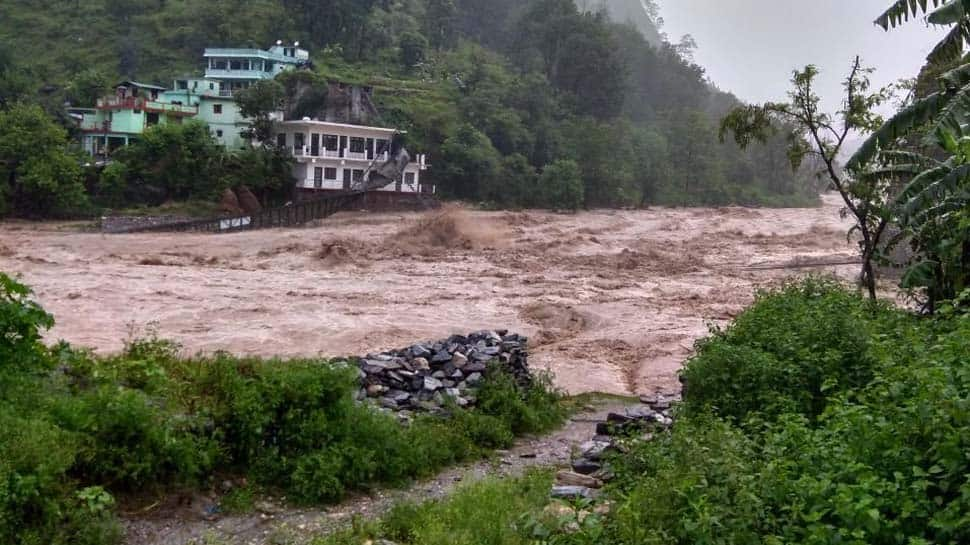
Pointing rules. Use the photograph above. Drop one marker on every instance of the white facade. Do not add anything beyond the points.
(332, 156)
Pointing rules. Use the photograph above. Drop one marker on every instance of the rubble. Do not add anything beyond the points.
(590, 469)
(427, 376)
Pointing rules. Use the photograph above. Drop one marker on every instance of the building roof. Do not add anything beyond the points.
(339, 125)
(249, 54)
(140, 85)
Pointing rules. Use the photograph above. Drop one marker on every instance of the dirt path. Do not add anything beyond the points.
(614, 300)
(274, 523)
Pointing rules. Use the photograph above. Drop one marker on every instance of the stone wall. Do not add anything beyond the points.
(427, 376)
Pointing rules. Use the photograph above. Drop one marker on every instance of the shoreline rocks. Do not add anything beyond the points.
(590, 470)
(427, 376)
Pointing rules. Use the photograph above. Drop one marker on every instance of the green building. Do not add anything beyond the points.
(119, 119)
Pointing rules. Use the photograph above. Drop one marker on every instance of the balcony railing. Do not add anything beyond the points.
(136, 103)
(218, 73)
(307, 151)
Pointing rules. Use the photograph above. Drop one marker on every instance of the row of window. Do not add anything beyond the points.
(332, 142)
(241, 64)
(321, 174)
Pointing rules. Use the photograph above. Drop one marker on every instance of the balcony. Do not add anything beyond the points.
(134, 103)
(306, 151)
(216, 73)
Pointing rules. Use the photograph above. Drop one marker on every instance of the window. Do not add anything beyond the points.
(318, 177)
(182, 84)
(409, 178)
(330, 174)
(137, 112)
(212, 86)
(382, 146)
(281, 140)
(357, 145)
(298, 142)
(358, 175)
(219, 134)
(219, 64)
(217, 109)
(235, 65)
(331, 142)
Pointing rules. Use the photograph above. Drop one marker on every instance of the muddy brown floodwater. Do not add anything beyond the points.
(613, 300)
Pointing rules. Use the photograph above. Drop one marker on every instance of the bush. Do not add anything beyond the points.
(877, 460)
(795, 348)
(21, 323)
(561, 186)
(72, 433)
(485, 512)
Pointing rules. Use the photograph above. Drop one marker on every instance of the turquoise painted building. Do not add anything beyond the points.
(213, 107)
(119, 119)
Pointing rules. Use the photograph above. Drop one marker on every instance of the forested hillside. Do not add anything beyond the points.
(495, 92)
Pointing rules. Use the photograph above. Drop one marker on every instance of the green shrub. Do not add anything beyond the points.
(790, 352)
(21, 324)
(75, 427)
(486, 512)
(884, 461)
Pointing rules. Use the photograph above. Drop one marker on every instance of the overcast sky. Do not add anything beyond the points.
(750, 47)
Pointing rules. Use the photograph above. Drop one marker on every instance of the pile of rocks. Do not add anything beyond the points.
(590, 470)
(423, 377)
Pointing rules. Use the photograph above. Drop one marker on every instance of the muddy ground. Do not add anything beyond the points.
(612, 299)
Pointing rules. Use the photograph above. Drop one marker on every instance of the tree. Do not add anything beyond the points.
(414, 48)
(258, 103)
(561, 186)
(42, 178)
(174, 162)
(932, 210)
(471, 166)
(519, 180)
(824, 136)
(87, 87)
(267, 172)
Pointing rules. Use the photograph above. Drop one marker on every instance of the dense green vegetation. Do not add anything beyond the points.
(908, 184)
(77, 430)
(494, 93)
(818, 417)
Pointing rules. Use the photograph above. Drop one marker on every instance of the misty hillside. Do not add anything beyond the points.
(643, 14)
(493, 91)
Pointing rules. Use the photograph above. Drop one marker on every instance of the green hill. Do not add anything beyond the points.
(493, 91)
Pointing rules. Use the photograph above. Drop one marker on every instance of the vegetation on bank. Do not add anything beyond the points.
(485, 91)
(77, 430)
(818, 417)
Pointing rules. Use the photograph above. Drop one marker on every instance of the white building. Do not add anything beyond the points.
(332, 156)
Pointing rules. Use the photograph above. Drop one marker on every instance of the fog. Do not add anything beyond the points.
(750, 47)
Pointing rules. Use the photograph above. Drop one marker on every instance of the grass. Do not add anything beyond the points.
(816, 418)
(486, 512)
(75, 429)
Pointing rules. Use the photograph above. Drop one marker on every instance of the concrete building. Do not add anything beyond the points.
(214, 108)
(118, 119)
(332, 156)
(329, 155)
(240, 68)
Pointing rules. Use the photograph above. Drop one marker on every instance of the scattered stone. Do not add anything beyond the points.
(569, 478)
(594, 450)
(432, 384)
(425, 375)
(374, 390)
(586, 467)
(572, 493)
